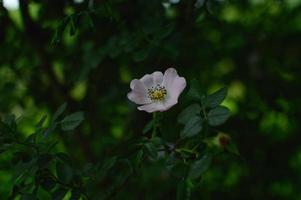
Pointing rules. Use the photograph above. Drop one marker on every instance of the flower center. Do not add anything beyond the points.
(157, 93)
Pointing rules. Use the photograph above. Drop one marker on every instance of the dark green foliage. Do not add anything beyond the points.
(64, 172)
(192, 127)
(218, 115)
(41, 167)
(33, 161)
(215, 99)
(188, 113)
(70, 122)
(85, 53)
(59, 193)
(199, 166)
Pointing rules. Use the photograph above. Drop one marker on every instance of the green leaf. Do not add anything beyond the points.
(179, 170)
(181, 190)
(70, 122)
(170, 160)
(4, 128)
(189, 113)
(218, 115)
(195, 90)
(64, 172)
(31, 138)
(44, 160)
(14, 192)
(60, 31)
(157, 141)
(88, 169)
(22, 156)
(72, 29)
(28, 197)
(9, 119)
(106, 167)
(50, 129)
(164, 31)
(192, 127)
(47, 182)
(59, 193)
(63, 157)
(138, 158)
(148, 126)
(21, 168)
(41, 122)
(89, 19)
(198, 167)
(232, 148)
(11, 124)
(75, 194)
(184, 189)
(141, 54)
(151, 150)
(109, 163)
(215, 99)
(56, 115)
(59, 111)
(124, 172)
(4, 148)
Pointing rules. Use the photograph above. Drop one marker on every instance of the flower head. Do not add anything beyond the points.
(157, 92)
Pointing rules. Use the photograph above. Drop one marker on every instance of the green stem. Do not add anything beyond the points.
(190, 151)
(155, 126)
(204, 111)
(206, 119)
(196, 146)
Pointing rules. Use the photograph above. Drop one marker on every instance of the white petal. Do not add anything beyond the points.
(158, 78)
(138, 98)
(133, 83)
(151, 80)
(173, 83)
(138, 86)
(169, 76)
(157, 106)
(138, 93)
(177, 87)
(147, 80)
(152, 107)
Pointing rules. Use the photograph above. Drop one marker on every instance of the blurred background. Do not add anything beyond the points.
(86, 52)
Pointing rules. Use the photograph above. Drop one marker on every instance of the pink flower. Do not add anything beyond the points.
(157, 92)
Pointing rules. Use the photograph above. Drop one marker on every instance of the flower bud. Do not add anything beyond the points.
(222, 140)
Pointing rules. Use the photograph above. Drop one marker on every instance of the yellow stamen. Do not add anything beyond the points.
(157, 93)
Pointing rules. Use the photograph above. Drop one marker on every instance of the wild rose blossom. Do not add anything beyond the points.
(157, 92)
